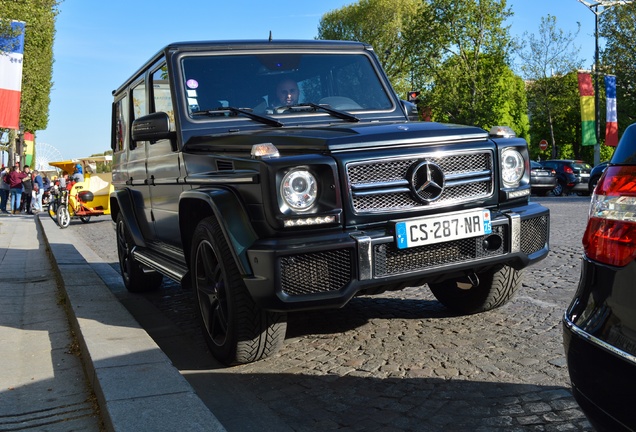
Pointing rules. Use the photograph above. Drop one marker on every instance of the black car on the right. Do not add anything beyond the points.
(572, 175)
(600, 324)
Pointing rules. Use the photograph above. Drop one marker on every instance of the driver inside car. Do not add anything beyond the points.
(287, 93)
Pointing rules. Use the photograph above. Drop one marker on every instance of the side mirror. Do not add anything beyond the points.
(152, 127)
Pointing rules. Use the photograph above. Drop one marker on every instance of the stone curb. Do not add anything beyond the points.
(136, 385)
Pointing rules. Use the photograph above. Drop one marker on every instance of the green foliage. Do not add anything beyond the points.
(381, 23)
(619, 58)
(455, 52)
(548, 61)
(555, 109)
(39, 16)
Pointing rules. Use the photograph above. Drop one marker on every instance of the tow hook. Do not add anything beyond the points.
(471, 281)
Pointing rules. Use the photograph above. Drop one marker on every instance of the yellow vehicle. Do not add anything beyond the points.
(84, 199)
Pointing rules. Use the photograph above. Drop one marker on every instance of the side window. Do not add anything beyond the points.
(120, 127)
(139, 100)
(161, 94)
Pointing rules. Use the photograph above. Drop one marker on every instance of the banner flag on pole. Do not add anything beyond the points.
(29, 149)
(611, 121)
(588, 117)
(11, 53)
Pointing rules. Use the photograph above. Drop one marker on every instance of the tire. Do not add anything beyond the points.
(235, 329)
(53, 210)
(559, 189)
(495, 288)
(136, 277)
(63, 217)
(85, 219)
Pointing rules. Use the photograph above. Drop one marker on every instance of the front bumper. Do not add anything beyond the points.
(327, 271)
(599, 338)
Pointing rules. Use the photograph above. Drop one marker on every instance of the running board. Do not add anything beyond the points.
(168, 267)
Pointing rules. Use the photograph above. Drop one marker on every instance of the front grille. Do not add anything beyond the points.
(317, 272)
(389, 260)
(383, 186)
(534, 234)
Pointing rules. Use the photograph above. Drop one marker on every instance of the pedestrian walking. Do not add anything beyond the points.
(15, 188)
(38, 190)
(27, 183)
(4, 189)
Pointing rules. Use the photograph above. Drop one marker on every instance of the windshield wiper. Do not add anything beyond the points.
(245, 111)
(336, 113)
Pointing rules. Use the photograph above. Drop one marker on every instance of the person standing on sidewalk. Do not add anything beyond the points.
(15, 188)
(38, 189)
(27, 183)
(4, 189)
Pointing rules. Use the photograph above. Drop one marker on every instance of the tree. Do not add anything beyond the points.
(384, 25)
(560, 106)
(545, 60)
(462, 49)
(39, 16)
(619, 58)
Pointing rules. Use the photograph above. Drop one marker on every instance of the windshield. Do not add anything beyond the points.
(273, 84)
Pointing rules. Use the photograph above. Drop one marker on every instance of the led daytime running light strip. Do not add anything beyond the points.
(309, 221)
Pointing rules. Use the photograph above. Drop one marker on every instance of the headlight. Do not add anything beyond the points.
(299, 189)
(512, 167)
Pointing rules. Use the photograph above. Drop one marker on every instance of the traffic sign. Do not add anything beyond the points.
(543, 144)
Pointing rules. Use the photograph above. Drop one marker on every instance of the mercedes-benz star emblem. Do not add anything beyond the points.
(427, 181)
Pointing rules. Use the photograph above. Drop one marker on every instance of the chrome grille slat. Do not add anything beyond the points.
(378, 186)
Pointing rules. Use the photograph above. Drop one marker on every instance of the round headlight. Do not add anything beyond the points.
(299, 190)
(512, 167)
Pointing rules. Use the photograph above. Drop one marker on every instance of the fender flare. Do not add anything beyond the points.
(125, 205)
(232, 216)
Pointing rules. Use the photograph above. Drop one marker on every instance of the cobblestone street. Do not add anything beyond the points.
(398, 361)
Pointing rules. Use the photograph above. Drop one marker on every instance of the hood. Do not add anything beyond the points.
(341, 137)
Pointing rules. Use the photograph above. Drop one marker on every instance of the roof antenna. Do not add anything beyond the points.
(270, 35)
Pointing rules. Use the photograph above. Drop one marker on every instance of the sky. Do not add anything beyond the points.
(98, 44)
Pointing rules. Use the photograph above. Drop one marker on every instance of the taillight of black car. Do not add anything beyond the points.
(610, 237)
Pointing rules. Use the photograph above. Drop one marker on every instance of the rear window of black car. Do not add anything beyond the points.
(625, 153)
(581, 166)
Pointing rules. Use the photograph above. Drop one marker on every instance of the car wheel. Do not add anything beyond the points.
(85, 219)
(63, 217)
(137, 278)
(494, 288)
(558, 189)
(235, 329)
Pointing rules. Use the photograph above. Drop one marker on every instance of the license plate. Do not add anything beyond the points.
(437, 229)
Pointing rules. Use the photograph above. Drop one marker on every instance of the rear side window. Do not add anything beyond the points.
(139, 100)
(120, 126)
(162, 99)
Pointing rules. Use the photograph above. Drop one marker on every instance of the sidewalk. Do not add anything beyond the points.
(136, 386)
(42, 383)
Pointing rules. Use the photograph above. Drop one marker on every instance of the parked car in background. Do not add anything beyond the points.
(599, 331)
(542, 179)
(572, 175)
(595, 175)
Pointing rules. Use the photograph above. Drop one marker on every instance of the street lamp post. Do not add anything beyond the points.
(598, 7)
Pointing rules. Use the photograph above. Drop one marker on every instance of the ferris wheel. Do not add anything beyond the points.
(45, 153)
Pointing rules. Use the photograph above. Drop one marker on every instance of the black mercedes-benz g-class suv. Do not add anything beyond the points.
(276, 176)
